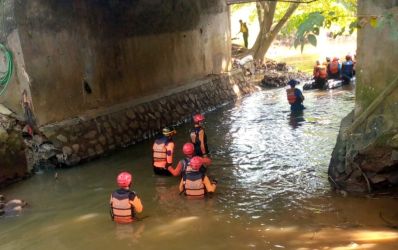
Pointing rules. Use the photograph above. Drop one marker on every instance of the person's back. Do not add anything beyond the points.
(334, 69)
(294, 96)
(347, 70)
(195, 184)
(124, 204)
(320, 75)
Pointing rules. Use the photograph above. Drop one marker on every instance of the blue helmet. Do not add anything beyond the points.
(293, 82)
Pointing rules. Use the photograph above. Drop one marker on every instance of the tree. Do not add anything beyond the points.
(268, 27)
(306, 19)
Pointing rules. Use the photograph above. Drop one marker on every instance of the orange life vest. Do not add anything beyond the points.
(122, 211)
(334, 67)
(160, 152)
(321, 71)
(291, 96)
(193, 183)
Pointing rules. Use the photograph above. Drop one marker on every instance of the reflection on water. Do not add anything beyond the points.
(272, 190)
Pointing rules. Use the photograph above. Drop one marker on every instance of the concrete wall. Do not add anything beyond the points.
(121, 49)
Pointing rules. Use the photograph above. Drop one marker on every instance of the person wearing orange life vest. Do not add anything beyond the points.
(334, 69)
(199, 139)
(124, 203)
(163, 150)
(195, 184)
(188, 149)
(294, 97)
(320, 75)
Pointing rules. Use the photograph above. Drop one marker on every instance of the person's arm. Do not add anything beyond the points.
(169, 152)
(206, 161)
(210, 187)
(137, 204)
(202, 141)
(175, 171)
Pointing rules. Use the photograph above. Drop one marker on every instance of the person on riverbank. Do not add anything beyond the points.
(295, 97)
(188, 149)
(163, 150)
(195, 184)
(199, 139)
(124, 204)
(347, 70)
(320, 75)
(245, 32)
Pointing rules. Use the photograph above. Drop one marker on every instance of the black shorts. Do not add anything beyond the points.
(161, 171)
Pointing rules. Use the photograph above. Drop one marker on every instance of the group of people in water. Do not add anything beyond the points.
(330, 69)
(194, 183)
(333, 69)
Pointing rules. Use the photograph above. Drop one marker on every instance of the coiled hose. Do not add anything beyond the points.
(5, 77)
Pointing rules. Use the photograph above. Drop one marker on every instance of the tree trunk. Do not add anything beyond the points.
(267, 34)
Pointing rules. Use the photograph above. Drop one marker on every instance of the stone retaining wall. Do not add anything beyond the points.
(12, 149)
(93, 134)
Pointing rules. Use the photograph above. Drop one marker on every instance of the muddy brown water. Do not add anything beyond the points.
(272, 190)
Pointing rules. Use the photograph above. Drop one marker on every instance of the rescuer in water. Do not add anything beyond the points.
(320, 75)
(195, 184)
(199, 139)
(347, 69)
(163, 150)
(295, 97)
(188, 149)
(124, 203)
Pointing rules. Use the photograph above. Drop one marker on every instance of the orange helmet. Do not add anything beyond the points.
(198, 118)
(196, 162)
(124, 179)
(188, 148)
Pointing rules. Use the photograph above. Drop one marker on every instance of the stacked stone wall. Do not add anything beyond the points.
(85, 138)
(12, 149)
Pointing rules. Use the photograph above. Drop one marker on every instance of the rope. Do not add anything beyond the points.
(5, 77)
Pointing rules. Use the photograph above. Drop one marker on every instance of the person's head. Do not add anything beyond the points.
(318, 62)
(196, 162)
(292, 83)
(240, 20)
(124, 180)
(348, 57)
(198, 118)
(169, 132)
(188, 149)
(327, 59)
(335, 59)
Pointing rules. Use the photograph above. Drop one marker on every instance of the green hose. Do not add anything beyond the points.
(5, 77)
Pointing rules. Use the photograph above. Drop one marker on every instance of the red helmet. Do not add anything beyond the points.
(196, 162)
(124, 179)
(335, 59)
(188, 148)
(198, 118)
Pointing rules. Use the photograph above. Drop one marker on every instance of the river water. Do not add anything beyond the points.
(272, 190)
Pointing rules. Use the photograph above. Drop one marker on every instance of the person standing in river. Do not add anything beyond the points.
(124, 203)
(199, 139)
(295, 97)
(163, 150)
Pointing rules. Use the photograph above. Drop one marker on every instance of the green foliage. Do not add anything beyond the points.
(338, 16)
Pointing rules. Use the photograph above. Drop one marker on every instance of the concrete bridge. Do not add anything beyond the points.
(94, 76)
